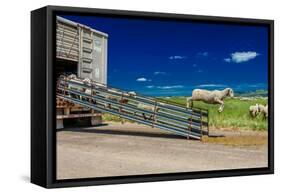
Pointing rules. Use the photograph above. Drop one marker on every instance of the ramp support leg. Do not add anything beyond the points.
(59, 123)
(66, 111)
(60, 120)
(96, 120)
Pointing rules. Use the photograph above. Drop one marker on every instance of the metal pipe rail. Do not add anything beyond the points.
(187, 122)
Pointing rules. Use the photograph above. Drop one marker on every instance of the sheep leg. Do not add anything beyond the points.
(189, 103)
(265, 116)
(253, 114)
(221, 105)
(144, 116)
(151, 117)
(256, 113)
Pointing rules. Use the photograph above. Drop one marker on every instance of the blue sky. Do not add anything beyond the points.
(171, 58)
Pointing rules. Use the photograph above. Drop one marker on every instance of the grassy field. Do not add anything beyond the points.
(235, 115)
(109, 117)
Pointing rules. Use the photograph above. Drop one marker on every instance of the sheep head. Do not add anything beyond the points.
(72, 76)
(132, 94)
(230, 92)
(86, 81)
(62, 77)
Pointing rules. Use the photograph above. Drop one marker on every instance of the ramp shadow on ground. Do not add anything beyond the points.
(122, 132)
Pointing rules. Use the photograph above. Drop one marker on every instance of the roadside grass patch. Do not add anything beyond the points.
(245, 140)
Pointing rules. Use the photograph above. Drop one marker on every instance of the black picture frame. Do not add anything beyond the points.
(43, 138)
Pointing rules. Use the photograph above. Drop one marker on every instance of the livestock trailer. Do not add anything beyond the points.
(80, 50)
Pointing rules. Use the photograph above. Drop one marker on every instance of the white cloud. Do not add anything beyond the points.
(211, 85)
(228, 60)
(194, 65)
(203, 54)
(177, 57)
(170, 87)
(199, 71)
(160, 73)
(165, 87)
(142, 79)
(240, 57)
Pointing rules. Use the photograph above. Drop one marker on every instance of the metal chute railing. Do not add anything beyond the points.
(187, 122)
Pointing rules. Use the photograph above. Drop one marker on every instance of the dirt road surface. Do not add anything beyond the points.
(133, 149)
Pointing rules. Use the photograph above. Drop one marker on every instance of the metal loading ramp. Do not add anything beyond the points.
(179, 120)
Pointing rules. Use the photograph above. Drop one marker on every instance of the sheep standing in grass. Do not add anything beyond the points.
(148, 107)
(263, 110)
(254, 110)
(210, 97)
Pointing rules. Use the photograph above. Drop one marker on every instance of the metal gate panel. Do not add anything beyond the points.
(188, 122)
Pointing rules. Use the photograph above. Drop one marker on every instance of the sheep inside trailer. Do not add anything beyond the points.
(80, 50)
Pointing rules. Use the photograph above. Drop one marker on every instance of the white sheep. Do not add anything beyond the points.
(88, 91)
(132, 94)
(117, 98)
(210, 97)
(72, 76)
(148, 107)
(78, 88)
(113, 97)
(263, 110)
(254, 110)
(74, 87)
(87, 81)
(62, 77)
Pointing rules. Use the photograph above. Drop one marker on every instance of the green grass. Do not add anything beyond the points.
(235, 115)
(109, 117)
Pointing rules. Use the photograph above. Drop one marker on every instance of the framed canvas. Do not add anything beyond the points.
(125, 96)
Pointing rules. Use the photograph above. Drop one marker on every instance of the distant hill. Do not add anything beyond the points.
(250, 93)
(256, 93)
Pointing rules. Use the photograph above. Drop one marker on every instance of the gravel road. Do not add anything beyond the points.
(131, 149)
